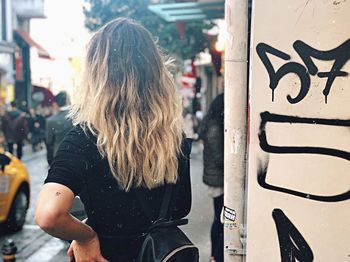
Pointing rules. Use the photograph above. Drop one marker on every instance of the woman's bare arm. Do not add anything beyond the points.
(52, 214)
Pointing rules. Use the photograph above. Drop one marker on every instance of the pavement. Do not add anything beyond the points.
(36, 246)
(29, 155)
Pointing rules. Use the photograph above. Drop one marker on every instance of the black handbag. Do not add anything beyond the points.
(164, 240)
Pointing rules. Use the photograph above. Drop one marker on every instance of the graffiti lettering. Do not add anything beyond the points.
(293, 246)
(267, 117)
(340, 55)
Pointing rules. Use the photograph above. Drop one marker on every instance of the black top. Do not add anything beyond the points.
(211, 131)
(113, 213)
(212, 134)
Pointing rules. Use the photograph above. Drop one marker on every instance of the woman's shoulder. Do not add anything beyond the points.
(78, 139)
(79, 134)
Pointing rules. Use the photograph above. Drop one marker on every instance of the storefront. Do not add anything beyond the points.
(23, 85)
(202, 77)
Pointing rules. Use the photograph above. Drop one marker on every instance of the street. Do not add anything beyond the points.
(34, 245)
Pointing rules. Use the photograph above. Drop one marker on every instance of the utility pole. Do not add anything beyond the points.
(236, 17)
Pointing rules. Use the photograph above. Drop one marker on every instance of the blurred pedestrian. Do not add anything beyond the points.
(128, 139)
(15, 129)
(35, 129)
(57, 126)
(212, 133)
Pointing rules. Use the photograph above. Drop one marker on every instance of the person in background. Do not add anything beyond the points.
(211, 132)
(42, 122)
(57, 126)
(44, 113)
(15, 129)
(35, 129)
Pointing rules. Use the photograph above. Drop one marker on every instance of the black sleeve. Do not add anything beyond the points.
(214, 143)
(202, 128)
(70, 164)
(181, 206)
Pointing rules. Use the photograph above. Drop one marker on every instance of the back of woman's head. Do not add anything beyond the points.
(129, 101)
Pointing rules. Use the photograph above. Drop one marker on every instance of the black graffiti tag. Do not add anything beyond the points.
(267, 117)
(290, 67)
(293, 246)
(340, 55)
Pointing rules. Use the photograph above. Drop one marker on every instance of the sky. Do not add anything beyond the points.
(62, 33)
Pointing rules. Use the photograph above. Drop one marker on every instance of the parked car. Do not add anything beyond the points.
(14, 192)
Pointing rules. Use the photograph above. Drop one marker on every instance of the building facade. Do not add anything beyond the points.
(22, 12)
(7, 50)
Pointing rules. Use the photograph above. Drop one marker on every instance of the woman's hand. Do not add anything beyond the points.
(88, 251)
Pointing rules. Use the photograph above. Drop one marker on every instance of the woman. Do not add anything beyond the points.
(127, 137)
(212, 134)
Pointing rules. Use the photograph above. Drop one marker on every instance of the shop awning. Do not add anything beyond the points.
(189, 11)
(42, 95)
(26, 38)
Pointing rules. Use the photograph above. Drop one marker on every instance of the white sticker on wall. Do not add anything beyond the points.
(229, 217)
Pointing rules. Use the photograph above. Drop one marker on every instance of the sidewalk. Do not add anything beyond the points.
(29, 155)
(201, 215)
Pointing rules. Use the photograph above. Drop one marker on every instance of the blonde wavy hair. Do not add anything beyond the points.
(128, 100)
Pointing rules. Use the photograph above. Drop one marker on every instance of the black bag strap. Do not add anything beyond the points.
(166, 202)
(164, 207)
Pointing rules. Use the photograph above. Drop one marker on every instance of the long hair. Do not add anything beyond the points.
(128, 100)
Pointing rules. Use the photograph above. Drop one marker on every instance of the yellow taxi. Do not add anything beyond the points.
(14, 192)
